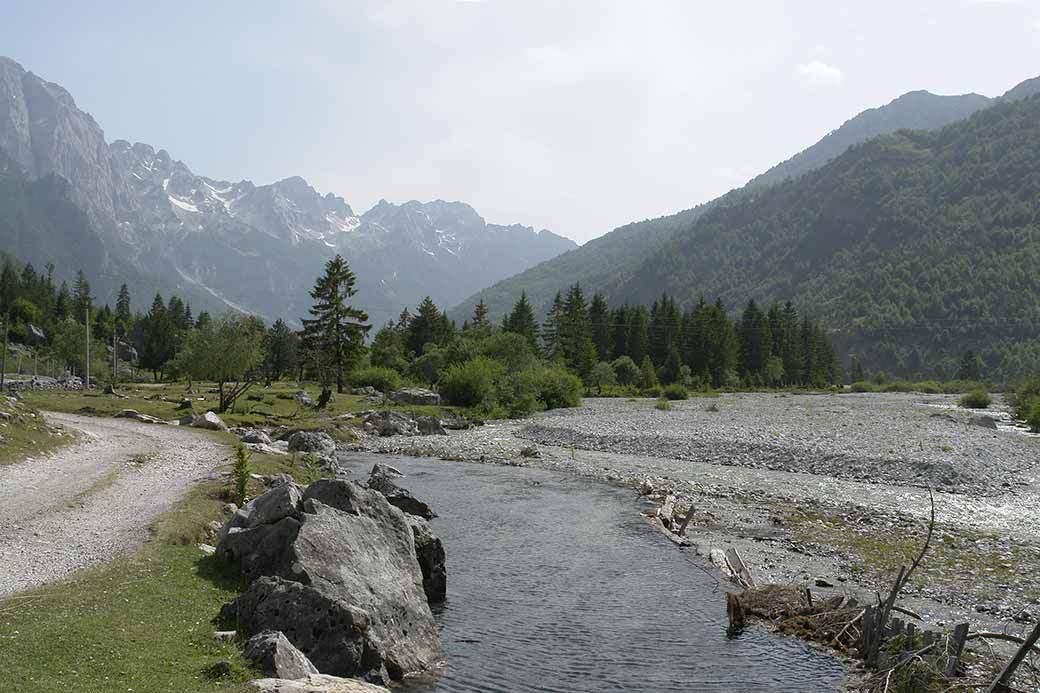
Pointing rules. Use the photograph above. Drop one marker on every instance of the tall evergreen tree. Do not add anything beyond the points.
(638, 337)
(551, 334)
(521, 321)
(579, 353)
(424, 327)
(480, 312)
(280, 350)
(602, 336)
(81, 298)
(336, 330)
(123, 314)
(756, 342)
(157, 338)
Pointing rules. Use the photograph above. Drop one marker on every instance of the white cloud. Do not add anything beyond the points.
(1036, 24)
(819, 73)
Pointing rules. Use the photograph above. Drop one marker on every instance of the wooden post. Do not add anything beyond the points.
(3, 360)
(115, 362)
(686, 520)
(955, 646)
(1003, 682)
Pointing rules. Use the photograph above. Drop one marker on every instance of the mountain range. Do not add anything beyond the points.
(833, 229)
(130, 213)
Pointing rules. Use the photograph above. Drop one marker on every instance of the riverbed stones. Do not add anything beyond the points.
(208, 421)
(386, 423)
(414, 396)
(315, 683)
(273, 654)
(337, 573)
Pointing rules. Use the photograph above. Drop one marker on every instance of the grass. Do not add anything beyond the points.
(958, 556)
(269, 406)
(140, 623)
(24, 434)
(663, 405)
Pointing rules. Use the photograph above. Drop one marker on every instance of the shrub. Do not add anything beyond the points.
(558, 388)
(863, 386)
(654, 391)
(975, 399)
(471, 384)
(675, 391)
(1025, 399)
(240, 473)
(663, 405)
(381, 378)
(929, 387)
(518, 393)
(1033, 416)
(602, 375)
(626, 370)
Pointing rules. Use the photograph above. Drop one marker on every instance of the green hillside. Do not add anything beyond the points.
(913, 247)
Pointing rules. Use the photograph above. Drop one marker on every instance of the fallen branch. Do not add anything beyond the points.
(906, 611)
(989, 635)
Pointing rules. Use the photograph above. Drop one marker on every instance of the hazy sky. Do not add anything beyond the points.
(571, 115)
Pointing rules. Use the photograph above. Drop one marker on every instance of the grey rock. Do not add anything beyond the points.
(382, 480)
(303, 398)
(256, 436)
(390, 423)
(429, 551)
(317, 442)
(209, 421)
(985, 422)
(367, 390)
(315, 683)
(225, 635)
(274, 655)
(415, 396)
(429, 426)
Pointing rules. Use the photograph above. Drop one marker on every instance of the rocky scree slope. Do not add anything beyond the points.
(127, 212)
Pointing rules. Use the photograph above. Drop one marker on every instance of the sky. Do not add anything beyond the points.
(573, 115)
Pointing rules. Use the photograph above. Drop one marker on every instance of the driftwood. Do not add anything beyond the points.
(877, 635)
(686, 521)
(1002, 682)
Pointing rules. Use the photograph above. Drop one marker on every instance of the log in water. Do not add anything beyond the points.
(556, 584)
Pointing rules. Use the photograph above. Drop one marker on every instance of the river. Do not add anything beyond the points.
(556, 584)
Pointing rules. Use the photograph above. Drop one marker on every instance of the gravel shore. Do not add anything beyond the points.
(813, 489)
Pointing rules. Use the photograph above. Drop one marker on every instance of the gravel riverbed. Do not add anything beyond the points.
(824, 490)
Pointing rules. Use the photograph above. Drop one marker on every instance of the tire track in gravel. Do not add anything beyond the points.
(95, 499)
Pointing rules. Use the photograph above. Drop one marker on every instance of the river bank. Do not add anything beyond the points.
(823, 490)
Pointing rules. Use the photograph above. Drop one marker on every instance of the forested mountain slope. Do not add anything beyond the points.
(914, 246)
(606, 263)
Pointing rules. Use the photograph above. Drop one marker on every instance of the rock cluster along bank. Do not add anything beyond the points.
(342, 578)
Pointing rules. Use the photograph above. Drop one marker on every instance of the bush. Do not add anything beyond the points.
(654, 391)
(557, 388)
(863, 386)
(471, 384)
(675, 391)
(663, 405)
(1025, 399)
(626, 370)
(381, 378)
(602, 375)
(975, 399)
(1033, 416)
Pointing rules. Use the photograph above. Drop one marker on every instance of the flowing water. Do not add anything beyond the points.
(556, 584)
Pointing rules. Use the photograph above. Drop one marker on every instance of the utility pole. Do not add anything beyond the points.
(115, 363)
(3, 361)
(86, 383)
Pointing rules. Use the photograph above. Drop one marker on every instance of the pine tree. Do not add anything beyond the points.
(638, 337)
(521, 321)
(280, 350)
(123, 316)
(423, 327)
(157, 338)
(579, 353)
(551, 337)
(480, 319)
(756, 342)
(336, 331)
(602, 338)
(62, 303)
(8, 287)
(856, 372)
(81, 298)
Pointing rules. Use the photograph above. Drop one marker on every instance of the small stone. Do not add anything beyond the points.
(822, 582)
(225, 635)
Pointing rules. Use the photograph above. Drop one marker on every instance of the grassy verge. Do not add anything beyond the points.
(260, 406)
(140, 623)
(24, 433)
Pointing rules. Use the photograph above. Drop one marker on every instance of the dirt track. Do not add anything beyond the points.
(93, 500)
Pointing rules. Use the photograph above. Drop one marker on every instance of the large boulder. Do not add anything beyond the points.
(273, 654)
(209, 421)
(315, 683)
(317, 442)
(381, 479)
(430, 553)
(389, 423)
(340, 577)
(430, 426)
(256, 436)
(303, 398)
(415, 396)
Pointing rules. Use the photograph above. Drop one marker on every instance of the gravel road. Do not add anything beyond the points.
(93, 500)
